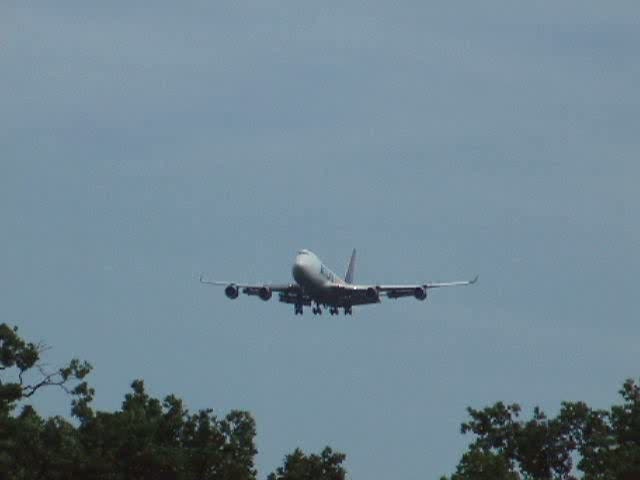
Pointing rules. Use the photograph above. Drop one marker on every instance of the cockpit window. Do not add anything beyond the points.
(303, 252)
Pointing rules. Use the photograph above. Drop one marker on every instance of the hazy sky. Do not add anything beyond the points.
(141, 146)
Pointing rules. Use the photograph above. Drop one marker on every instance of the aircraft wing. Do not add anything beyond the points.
(274, 287)
(289, 292)
(254, 289)
(349, 294)
(396, 291)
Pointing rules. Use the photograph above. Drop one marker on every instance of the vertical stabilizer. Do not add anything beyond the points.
(351, 268)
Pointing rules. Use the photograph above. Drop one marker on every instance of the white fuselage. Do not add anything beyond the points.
(312, 275)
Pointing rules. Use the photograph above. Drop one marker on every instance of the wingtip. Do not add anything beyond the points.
(475, 279)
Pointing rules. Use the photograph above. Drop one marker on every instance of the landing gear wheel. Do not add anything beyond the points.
(297, 309)
(333, 311)
(347, 310)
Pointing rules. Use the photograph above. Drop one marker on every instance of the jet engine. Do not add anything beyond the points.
(371, 294)
(420, 293)
(231, 291)
(265, 293)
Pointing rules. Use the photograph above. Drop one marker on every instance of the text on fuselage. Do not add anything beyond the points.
(328, 274)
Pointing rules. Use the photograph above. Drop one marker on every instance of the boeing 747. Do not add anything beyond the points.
(316, 285)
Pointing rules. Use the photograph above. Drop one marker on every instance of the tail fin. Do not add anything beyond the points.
(351, 268)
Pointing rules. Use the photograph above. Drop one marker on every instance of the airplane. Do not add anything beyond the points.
(316, 284)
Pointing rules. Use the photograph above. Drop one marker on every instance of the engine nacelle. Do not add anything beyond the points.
(372, 294)
(265, 293)
(231, 291)
(420, 293)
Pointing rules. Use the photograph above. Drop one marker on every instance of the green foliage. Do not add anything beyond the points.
(298, 466)
(479, 464)
(147, 438)
(15, 352)
(18, 381)
(607, 443)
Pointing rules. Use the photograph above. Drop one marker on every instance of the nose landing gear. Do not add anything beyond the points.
(297, 309)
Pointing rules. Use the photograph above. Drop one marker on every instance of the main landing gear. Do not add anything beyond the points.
(298, 309)
(336, 310)
(317, 310)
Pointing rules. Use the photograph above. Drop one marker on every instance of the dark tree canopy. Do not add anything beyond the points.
(480, 464)
(22, 375)
(147, 438)
(298, 466)
(606, 443)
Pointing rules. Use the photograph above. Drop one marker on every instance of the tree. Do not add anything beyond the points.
(153, 439)
(539, 448)
(299, 466)
(606, 443)
(30, 445)
(146, 439)
(19, 362)
(479, 464)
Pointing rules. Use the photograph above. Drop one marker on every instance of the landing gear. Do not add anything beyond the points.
(317, 309)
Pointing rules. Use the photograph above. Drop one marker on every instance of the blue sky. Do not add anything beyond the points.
(141, 146)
